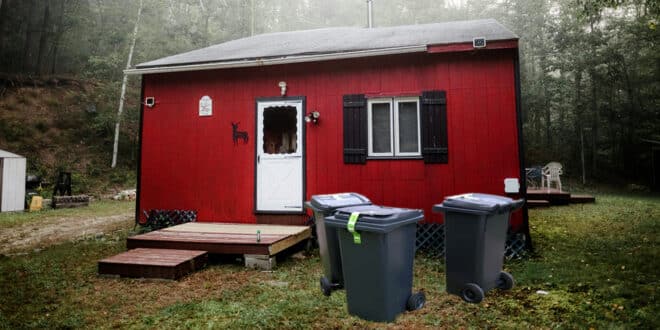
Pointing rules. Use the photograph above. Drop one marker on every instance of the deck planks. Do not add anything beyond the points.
(153, 263)
(578, 199)
(222, 238)
(554, 196)
(536, 197)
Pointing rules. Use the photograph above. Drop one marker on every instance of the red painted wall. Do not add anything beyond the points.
(190, 162)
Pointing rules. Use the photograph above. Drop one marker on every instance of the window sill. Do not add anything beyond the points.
(395, 158)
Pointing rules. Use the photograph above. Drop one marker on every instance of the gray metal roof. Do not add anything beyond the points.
(7, 154)
(329, 41)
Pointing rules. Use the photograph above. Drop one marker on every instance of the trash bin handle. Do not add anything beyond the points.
(350, 226)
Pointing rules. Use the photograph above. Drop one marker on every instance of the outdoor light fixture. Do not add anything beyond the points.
(282, 85)
(150, 101)
(313, 117)
(479, 42)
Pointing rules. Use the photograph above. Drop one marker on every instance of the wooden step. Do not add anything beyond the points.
(154, 263)
(578, 199)
(532, 203)
(554, 196)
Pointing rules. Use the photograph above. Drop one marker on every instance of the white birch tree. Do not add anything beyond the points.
(123, 86)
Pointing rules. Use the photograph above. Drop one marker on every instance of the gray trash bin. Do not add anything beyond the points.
(377, 250)
(323, 206)
(475, 238)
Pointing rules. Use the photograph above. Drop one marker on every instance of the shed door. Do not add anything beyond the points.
(279, 182)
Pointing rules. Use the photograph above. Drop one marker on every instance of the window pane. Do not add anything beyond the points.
(280, 130)
(380, 116)
(408, 127)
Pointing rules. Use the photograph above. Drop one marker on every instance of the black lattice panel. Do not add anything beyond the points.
(158, 219)
(431, 238)
(515, 246)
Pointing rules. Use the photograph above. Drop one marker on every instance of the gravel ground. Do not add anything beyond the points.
(22, 239)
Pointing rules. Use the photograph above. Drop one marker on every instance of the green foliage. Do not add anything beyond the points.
(104, 66)
(588, 68)
(597, 262)
(13, 130)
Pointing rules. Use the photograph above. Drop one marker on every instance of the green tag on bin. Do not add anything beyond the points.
(351, 227)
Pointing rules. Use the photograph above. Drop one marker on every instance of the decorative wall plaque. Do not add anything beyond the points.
(205, 106)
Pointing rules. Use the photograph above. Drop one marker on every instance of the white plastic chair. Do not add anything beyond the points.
(551, 173)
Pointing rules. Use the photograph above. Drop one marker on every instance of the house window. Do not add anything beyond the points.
(403, 127)
(393, 127)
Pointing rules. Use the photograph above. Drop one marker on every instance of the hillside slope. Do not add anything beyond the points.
(67, 124)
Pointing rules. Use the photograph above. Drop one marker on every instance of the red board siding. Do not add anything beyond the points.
(191, 162)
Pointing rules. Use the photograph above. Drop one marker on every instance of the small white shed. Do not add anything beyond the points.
(12, 182)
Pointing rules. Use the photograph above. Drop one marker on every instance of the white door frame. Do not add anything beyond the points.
(294, 206)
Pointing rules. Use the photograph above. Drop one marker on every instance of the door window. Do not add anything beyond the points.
(280, 128)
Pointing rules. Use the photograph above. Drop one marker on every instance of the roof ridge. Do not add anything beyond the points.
(335, 40)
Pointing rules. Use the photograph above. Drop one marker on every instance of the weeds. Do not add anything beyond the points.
(96, 209)
(594, 266)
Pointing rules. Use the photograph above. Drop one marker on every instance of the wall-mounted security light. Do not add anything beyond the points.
(313, 117)
(479, 42)
(282, 85)
(150, 101)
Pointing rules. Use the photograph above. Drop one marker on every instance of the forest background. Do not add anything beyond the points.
(589, 72)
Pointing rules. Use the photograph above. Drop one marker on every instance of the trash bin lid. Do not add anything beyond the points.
(375, 218)
(480, 203)
(335, 201)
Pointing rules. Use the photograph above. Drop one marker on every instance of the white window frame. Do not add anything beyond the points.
(370, 140)
(394, 127)
(397, 144)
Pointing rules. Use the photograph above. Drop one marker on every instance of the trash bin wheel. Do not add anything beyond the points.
(472, 293)
(505, 281)
(416, 301)
(326, 286)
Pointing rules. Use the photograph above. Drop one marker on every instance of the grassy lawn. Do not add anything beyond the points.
(95, 209)
(598, 264)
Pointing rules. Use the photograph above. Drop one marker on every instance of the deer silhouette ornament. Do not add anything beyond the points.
(236, 134)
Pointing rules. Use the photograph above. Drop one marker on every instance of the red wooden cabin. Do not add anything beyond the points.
(406, 116)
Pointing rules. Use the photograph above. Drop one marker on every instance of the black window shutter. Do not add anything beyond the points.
(355, 129)
(434, 127)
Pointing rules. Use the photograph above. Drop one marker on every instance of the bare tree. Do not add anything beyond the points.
(123, 86)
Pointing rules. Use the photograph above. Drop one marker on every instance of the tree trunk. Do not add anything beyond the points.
(206, 14)
(43, 39)
(628, 135)
(595, 124)
(4, 8)
(579, 125)
(251, 17)
(123, 86)
(59, 31)
(26, 60)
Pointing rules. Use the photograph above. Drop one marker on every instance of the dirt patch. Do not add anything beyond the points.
(23, 238)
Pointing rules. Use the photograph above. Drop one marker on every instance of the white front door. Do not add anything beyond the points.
(280, 132)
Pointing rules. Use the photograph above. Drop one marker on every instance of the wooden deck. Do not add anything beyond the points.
(548, 197)
(223, 238)
(577, 199)
(153, 263)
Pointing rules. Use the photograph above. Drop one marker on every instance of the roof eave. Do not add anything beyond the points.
(276, 61)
